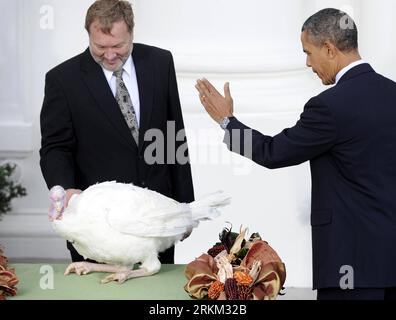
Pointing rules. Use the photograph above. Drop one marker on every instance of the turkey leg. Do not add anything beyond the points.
(148, 268)
(82, 268)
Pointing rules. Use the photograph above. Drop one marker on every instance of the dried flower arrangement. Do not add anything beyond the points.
(8, 278)
(236, 269)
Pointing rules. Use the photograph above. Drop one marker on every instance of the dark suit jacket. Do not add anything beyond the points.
(349, 135)
(85, 138)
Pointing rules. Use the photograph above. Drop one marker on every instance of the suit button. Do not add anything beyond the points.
(143, 183)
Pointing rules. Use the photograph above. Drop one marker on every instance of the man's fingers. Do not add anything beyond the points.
(215, 103)
(210, 87)
(205, 102)
(202, 95)
(199, 90)
(203, 89)
(206, 105)
(227, 92)
(202, 101)
(52, 219)
(69, 194)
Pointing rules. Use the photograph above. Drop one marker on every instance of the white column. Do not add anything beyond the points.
(9, 75)
(224, 36)
(378, 34)
(15, 131)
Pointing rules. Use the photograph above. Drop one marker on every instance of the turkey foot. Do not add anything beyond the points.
(121, 277)
(82, 268)
(149, 267)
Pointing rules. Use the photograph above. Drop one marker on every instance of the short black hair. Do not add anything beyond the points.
(332, 25)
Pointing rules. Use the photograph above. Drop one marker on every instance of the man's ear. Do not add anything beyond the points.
(331, 49)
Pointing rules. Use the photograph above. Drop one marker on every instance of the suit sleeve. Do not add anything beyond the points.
(314, 134)
(181, 177)
(57, 137)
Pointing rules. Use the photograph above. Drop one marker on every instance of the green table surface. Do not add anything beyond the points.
(165, 285)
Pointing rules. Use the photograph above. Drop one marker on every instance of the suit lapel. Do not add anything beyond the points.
(97, 84)
(145, 79)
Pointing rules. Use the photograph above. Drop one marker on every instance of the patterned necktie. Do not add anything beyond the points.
(124, 101)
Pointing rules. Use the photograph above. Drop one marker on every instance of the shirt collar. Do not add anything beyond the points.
(127, 68)
(347, 68)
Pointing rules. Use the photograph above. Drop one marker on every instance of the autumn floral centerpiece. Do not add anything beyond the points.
(8, 279)
(236, 269)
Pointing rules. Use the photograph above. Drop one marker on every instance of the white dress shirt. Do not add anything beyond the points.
(347, 68)
(130, 80)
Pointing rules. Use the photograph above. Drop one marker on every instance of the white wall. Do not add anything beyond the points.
(254, 44)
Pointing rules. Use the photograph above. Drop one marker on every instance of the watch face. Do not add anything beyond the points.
(224, 123)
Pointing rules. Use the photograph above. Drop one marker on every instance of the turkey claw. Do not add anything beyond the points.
(80, 268)
(120, 277)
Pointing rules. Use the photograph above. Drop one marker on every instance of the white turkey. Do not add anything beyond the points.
(120, 225)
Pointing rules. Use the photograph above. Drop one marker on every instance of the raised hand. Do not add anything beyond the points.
(216, 105)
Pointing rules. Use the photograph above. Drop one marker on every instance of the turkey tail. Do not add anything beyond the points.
(206, 207)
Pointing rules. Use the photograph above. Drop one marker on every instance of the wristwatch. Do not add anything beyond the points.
(224, 122)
